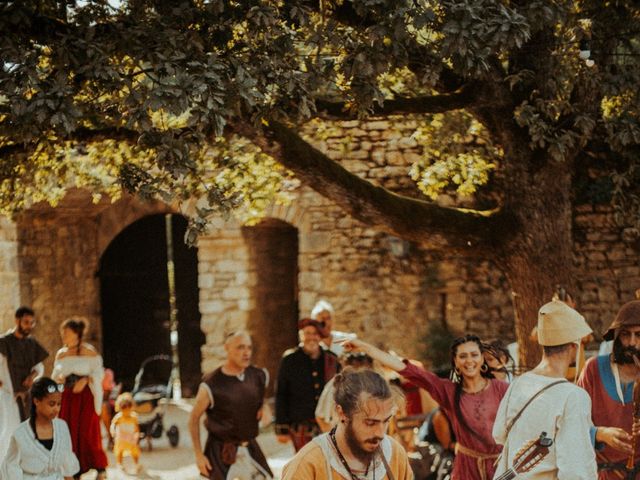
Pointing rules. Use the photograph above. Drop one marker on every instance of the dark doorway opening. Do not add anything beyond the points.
(134, 298)
(273, 248)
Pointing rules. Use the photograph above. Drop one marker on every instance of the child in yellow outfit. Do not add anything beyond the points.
(125, 431)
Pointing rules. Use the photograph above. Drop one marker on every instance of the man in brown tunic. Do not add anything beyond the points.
(232, 399)
(24, 356)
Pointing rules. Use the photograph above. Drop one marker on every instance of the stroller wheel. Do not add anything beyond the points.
(174, 435)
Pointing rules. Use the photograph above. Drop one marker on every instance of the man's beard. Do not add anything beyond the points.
(23, 332)
(360, 453)
(624, 355)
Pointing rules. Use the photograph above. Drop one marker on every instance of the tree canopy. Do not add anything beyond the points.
(196, 98)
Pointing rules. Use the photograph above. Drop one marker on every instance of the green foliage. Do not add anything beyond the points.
(458, 155)
(138, 94)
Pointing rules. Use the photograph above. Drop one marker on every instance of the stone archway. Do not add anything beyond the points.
(134, 298)
(273, 260)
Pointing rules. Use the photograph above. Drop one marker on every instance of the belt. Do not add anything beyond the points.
(479, 456)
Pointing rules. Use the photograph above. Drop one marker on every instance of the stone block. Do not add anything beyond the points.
(206, 280)
(235, 293)
(315, 242)
(213, 306)
(377, 125)
(235, 266)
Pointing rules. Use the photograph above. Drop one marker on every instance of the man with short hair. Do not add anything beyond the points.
(608, 379)
(21, 359)
(323, 312)
(303, 373)
(232, 398)
(543, 401)
(358, 447)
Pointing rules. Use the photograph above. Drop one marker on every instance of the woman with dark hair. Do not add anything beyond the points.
(499, 360)
(79, 367)
(470, 400)
(41, 447)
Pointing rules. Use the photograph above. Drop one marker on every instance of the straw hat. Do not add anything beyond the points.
(629, 314)
(559, 324)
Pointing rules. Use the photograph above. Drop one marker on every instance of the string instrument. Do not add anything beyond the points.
(631, 461)
(528, 457)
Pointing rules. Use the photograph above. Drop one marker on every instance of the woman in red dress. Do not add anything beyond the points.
(79, 366)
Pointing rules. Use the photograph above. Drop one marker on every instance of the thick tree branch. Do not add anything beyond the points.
(406, 217)
(465, 97)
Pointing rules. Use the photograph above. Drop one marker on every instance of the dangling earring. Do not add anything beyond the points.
(457, 371)
(484, 368)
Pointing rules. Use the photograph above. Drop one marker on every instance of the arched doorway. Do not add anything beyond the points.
(273, 249)
(134, 298)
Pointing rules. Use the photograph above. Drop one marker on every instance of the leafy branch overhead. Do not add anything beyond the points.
(147, 95)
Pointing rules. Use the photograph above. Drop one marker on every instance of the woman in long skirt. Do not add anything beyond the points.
(79, 366)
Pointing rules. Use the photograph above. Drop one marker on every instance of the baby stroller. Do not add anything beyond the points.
(151, 394)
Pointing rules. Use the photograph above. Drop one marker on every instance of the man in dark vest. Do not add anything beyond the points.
(232, 399)
(303, 373)
(23, 356)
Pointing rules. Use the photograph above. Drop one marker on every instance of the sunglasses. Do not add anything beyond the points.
(58, 387)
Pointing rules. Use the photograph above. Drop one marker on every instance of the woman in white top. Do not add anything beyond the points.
(79, 367)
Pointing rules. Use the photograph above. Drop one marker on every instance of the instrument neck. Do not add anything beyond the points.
(508, 475)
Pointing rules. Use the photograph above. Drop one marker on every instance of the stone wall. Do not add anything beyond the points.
(9, 277)
(607, 257)
(385, 289)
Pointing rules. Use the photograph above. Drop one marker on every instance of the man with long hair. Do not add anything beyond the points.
(358, 447)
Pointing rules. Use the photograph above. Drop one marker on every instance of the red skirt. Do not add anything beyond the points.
(78, 410)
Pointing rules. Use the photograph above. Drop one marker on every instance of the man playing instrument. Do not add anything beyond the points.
(542, 400)
(609, 381)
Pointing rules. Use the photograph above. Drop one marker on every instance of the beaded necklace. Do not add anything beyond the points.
(332, 436)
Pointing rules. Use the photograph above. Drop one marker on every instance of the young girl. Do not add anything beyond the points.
(41, 446)
(125, 430)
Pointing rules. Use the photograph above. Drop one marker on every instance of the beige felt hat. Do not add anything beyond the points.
(559, 324)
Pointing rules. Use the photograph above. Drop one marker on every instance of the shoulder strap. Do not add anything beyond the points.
(524, 407)
(390, 475)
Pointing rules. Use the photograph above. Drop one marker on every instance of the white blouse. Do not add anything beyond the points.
(28, 459)
(84, 366)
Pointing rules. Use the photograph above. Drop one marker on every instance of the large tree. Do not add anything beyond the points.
(160, 97)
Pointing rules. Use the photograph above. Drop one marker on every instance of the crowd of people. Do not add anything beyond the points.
(339, 401)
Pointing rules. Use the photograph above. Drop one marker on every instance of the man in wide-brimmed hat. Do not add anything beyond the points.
(608, 379)
(303, 373)
(542, 400)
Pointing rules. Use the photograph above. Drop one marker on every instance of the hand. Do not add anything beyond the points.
(204, 466)
(354, 345)
(80, 384)
(28, 381)
(283, 438)
(616, 438)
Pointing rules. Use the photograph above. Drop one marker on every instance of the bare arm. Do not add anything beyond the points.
(384, 358)
(202, 403)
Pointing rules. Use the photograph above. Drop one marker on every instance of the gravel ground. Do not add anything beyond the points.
(164, 462)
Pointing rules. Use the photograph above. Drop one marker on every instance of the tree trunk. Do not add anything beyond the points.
(540, 256)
